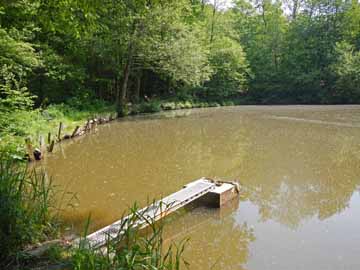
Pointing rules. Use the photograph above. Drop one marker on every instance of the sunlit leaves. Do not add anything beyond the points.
(16, 53)
(231, 70)
(347, 70)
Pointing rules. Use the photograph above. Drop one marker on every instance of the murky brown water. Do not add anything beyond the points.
(299, 167)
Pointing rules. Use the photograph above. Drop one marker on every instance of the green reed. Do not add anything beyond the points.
(132, 249)
(26, 199)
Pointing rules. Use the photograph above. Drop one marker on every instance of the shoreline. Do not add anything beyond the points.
(82, 127)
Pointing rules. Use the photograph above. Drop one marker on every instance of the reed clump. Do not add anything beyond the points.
(132, 248)
(26, 216)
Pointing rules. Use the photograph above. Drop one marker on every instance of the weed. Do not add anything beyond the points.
(131, 249)
(26, 200)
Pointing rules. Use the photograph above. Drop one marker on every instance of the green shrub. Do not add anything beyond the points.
(180, 105)
(214, 104)
(188, 105)
(169, 106)
(11, 147)
(227, 103)
(135, 109)
(150, 107)
(230, 103)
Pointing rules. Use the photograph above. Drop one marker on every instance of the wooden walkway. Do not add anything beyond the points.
(154, 212)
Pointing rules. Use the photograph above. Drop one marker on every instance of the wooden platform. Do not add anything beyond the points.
(158, 210)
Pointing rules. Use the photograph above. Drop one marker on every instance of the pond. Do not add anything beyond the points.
(299, 169)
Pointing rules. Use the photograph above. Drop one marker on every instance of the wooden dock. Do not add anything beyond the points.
(166, 206)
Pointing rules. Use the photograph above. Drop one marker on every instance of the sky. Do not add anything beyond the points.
(223, 3)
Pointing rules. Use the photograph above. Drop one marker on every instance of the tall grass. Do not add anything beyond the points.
(132, 249)
(26, 199)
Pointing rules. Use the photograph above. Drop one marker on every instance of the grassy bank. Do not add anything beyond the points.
(18, 125)
(165, 105)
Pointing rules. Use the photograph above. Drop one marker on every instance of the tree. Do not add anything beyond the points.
(347, 71)
(16, 60)
(231, 69)
(261, 28)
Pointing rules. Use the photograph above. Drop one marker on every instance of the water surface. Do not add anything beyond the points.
(299, 168)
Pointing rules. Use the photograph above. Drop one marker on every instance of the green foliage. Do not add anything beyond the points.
(230, 69)
(26, 201)
(148, 107)
(17, 58)
(350, 26)
(183, 60)
(58, 78)
(292, 58)
(168, 106)
(16, 54)
(121, 50)
(14, 96)
(15, 105)
(12, 147)
(347, 71)
(261, 32)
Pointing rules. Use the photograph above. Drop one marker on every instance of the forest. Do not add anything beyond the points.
(66, 59)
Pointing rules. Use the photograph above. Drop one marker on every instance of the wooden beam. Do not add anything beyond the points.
(204, 189)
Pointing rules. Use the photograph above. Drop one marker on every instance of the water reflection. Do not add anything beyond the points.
(211, 229)
(306, 186)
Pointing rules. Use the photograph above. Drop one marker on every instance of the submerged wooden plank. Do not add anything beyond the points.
(154, 212)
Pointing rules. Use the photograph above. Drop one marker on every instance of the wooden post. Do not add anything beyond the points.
(51, 147)
(75, 131)
(59, 132)
(42, 144)
(87, 125)
(29, 149)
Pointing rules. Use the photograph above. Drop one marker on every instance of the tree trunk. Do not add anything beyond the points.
(213, 23)
(263, 6)
(138, 87)
(202, 5)
(116, 87)
(295, 9)
(121, 97)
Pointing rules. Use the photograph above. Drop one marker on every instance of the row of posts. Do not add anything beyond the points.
(38, 153)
